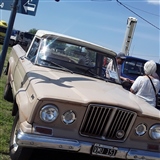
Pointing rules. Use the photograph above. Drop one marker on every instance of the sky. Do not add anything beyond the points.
(103, 22)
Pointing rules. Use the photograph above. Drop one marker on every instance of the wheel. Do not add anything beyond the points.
(8, 93)
(16, 152)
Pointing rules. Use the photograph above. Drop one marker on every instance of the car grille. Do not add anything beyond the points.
(107, 122)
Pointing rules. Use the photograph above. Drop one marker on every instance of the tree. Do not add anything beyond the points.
(32, 31)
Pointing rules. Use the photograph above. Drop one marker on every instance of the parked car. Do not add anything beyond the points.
(3, 29)
(134, 67)
(25, 39)
(62, 101)
(14, 38)
(3, 23)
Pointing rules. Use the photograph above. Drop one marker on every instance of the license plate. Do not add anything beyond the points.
(103, 150)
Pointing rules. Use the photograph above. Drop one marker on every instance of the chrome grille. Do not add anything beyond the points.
(107, 122)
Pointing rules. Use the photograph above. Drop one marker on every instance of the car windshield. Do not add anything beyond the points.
(133, 67)
(54, 53)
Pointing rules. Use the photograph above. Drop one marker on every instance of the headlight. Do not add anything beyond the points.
(154, 131)
(141, 129)
(49, 113)
(68, 117)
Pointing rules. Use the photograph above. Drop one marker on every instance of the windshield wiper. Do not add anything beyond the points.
(88, 71)
(57, 65)
(100, 77)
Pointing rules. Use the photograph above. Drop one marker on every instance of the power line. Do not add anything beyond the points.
(143, 10)
(138, 15)
(134, 12)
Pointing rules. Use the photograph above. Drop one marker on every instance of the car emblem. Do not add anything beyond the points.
(120, 134)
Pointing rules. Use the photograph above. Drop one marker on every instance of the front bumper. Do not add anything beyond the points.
(37, 141)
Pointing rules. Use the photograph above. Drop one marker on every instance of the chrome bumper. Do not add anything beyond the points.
(30, 140)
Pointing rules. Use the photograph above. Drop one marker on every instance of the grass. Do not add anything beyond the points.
(6, 118)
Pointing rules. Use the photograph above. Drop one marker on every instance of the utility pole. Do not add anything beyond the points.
(8, 34)
(131, 24)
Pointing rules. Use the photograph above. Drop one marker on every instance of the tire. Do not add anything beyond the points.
(16, 152)
(8, 93)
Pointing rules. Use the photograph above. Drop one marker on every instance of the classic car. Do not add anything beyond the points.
(3, 29)
(62, 101)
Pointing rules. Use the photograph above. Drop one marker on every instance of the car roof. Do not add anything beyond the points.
(140, 59)
(136, 58)
(45, 34)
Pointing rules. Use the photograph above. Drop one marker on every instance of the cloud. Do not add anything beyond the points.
(154, 1)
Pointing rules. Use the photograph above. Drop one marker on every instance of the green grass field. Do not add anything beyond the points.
(6, 118)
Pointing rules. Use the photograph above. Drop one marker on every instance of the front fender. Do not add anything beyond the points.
(23, 104)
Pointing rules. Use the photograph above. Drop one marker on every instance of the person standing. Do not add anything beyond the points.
(119, 59)
(144, 85)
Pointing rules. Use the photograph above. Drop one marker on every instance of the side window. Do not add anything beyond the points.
(33, 50)
(133, 67)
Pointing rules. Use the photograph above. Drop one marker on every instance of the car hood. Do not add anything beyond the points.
(75, 88)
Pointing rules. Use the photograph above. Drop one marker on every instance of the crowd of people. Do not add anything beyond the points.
(146, 86)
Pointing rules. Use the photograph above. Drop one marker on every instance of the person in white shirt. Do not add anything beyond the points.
(143, 87)
(119, 59)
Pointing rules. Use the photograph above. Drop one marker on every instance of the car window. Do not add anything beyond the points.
(133, 67)
(61, 52)
(33, 50)
(55, 53)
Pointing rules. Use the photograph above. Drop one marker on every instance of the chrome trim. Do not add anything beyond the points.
(152, 129)
(139, 154)
(32, 140)
(37, 141)
(46, 107)
(71, 120)
(142, 132)
(104, 121)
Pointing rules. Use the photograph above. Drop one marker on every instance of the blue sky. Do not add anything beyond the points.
(99, 21)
